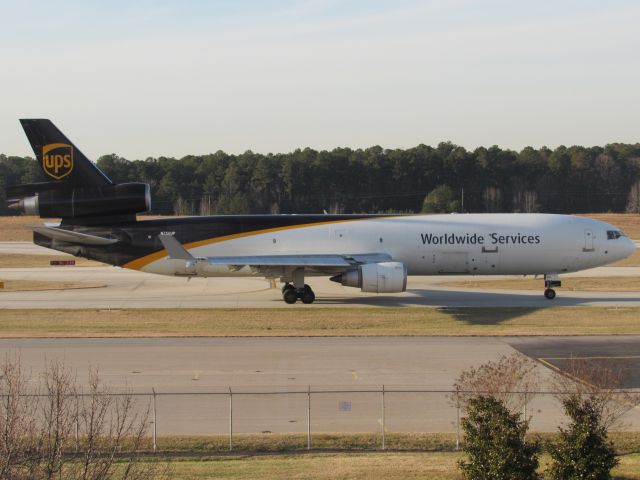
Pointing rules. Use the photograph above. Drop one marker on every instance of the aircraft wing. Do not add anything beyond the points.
(328, 260)
(317, 262)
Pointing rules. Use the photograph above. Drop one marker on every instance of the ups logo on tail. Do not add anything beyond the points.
(57, 160)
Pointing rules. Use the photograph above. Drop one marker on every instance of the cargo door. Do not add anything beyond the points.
(451, 262)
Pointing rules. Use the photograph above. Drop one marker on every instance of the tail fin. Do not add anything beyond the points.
(59, 159)
(77, 190)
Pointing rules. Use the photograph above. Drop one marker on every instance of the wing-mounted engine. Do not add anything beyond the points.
(49, 200)
(383, 277)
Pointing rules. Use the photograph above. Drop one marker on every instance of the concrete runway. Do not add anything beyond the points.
(132, 289)
(260, 370)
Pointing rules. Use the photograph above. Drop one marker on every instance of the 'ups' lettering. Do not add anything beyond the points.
(57, 160)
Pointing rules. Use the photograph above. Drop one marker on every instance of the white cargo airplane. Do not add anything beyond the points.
(375, 253)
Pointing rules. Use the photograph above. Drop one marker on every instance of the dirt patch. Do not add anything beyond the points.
(39, 261)
(603, 284)
(16, 229)
(34, 285)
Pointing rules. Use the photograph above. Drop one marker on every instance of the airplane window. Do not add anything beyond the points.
(614, 234)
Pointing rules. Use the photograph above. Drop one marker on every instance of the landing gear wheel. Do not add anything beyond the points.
(290, 296)
(307, 295)
(287, 286)
(549, 294)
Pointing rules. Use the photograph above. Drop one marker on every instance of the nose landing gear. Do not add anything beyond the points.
(550, 281)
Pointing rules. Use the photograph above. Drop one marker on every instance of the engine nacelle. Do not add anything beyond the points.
(121, 199)
(384, 277)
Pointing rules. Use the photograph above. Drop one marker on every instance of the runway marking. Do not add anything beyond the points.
(354, 374)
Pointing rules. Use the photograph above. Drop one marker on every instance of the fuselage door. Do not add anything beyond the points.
(588, 241)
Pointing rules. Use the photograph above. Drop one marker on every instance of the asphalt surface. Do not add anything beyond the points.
(192, 376)
(621, 354)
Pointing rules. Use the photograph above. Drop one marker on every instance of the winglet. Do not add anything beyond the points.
(175, 248)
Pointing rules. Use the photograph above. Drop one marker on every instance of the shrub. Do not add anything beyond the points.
(495, 443)
(583, 450)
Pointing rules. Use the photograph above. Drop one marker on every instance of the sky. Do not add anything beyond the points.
(159, 77)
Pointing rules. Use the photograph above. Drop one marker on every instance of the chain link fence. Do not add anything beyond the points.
(310, 411)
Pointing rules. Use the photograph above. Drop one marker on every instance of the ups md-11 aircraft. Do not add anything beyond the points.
(375, 253)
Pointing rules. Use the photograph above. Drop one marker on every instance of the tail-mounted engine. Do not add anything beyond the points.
(384, 277)
(53, 200)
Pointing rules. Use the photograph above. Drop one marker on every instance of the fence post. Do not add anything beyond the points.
(525, 414)
(155, 420)
(383, 420)
(457, 417)
(309, 418)
(77, 425)
(230, 419)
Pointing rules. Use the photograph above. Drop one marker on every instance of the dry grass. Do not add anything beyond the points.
(326, 466)
(16, 229)
(34, 285)
(319, 322)
(38, 261)
(436, 458)
(631, 261)
(353, 466)
(630, 284)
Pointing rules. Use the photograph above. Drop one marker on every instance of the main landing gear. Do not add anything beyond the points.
(295, 288)
(291, 294)
(550, 281)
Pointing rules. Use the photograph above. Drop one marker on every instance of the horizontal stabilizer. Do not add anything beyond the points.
(72, 237)
(175, 248)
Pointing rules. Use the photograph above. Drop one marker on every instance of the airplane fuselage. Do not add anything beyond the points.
(464, 244)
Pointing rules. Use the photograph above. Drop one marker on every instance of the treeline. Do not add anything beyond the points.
(445, 178)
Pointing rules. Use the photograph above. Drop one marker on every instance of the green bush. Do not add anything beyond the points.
(495, 443)
(442, 199)
(583, 450)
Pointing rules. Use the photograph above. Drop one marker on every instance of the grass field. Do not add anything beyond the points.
(38, 261)
(32, 285)
(16, 229)
(353, 466)
(629, 223)
(594, 284)
(436, 458)
(319, 322)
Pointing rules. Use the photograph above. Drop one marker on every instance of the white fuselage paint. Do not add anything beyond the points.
(473, 244)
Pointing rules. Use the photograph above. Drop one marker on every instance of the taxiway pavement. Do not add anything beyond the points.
(192, 376)
(131, 289)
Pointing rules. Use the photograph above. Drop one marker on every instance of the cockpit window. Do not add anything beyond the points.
(614, 234)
